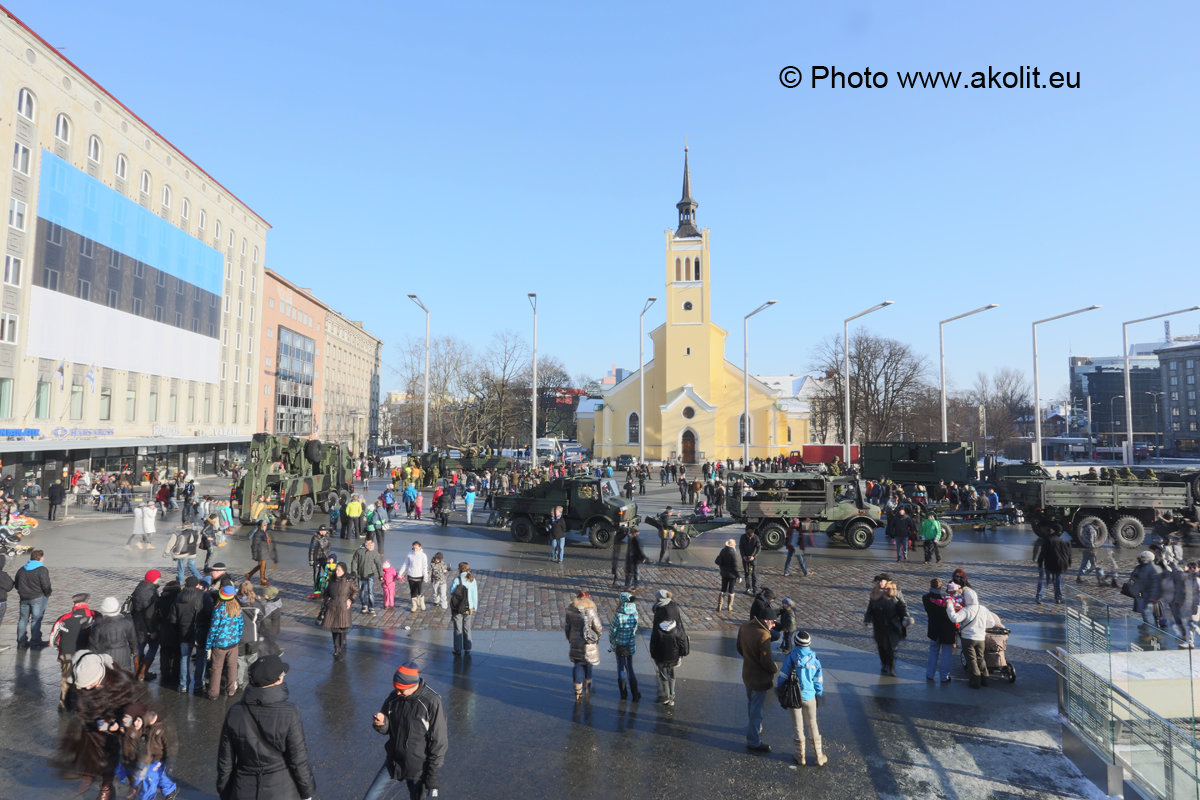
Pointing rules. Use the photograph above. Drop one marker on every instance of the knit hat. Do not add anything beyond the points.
(89, 668)
(787, 601)
(801, 639)
(1146, 556)
(227, 592)
(267, 670)
(271, 592)
(407, 676)
(663, 594)
(190, 582)
(220, 565)
(152, 575)
(109, 606)
(768, 614)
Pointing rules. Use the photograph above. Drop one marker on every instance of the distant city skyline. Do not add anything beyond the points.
(472, 158)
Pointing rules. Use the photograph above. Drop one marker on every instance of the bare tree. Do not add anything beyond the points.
(1007, 400)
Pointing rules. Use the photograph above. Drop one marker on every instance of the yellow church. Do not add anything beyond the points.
(694, 400)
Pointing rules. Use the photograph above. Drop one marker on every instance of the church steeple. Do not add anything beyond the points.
(686, 205)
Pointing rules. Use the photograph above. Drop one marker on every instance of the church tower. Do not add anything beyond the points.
(688, 333)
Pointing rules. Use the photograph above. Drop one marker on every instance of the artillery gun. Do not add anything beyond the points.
(295, 476)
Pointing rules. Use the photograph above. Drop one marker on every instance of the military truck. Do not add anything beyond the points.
(768, 501)
(295, 475)
(929, 462)
(1122, 509)
(592, 505)
(471, 460)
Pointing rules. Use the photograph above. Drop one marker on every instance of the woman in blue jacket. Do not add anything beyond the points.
(808, 671)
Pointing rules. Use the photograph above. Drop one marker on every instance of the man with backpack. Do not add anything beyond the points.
(184, 546)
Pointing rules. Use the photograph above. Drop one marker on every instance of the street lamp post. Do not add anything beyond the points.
(746, 380)
(1037, 386)
(1157, 440)
(846, 374)
(942, 358)
(1127, 451)
(533, 438)
(1112, 419)
(425, 424)
(642, 381)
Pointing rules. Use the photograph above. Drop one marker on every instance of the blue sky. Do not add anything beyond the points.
(474, 152)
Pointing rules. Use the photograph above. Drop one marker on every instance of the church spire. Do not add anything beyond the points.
(686, 205)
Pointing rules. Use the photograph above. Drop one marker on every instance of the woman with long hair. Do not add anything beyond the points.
(888, 615)
(583, 628)
(622, 640)
(339, 597)
(462, 608)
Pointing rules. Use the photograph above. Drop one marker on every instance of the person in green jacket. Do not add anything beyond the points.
(930, 532)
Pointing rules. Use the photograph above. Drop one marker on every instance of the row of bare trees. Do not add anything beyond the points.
(894, 395)
(477, 398)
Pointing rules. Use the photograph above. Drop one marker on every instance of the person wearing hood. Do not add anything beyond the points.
(758, 671)
(70, 635)
(414, 721)
(1146, 584)
(622, 640)
(804, 662)
(727, 564)
(262, 750)
(668, 644)
(583, 628)
(32, 583)
(272, 615)
(973, 621)
(114, 634)
(143, 608)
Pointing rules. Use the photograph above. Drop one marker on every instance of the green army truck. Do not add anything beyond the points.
(1122, 509)
(926, 463)
(768, 501)
(295, 475)
(591, 505)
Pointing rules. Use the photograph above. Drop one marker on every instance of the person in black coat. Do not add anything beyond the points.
(262, 550)
(1053, 560)
(144, 613)
(185, 619)
(55, 495)
(941, 632)
(750, 546)
(168, 636)
(887, 614)
(727, 564)
(113, 634)
(262, 751)
(413, 719)
(635, 556)
(668, 644)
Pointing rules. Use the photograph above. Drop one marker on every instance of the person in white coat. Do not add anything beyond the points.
(143, 526)
(416, 570)
(974, 619)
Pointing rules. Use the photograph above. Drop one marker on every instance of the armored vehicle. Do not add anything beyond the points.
(294, 475)
(768, 501)
(591, 505)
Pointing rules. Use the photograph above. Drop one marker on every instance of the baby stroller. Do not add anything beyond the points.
(994, 654)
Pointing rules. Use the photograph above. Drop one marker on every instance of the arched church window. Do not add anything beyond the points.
(687, 351)
(789, 434)
(741, 429)
(687, 269)
(678, 270)
(635, 428)
(697, 267)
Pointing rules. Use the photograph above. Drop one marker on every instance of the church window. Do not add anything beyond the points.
(742, 429)
(687, 269)
(635, 428)
(678, 270)
(789, 427)
(687, 351)
(697, 267)
(688, 412)
(687, 306)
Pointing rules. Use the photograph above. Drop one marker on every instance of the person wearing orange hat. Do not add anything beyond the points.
(413, 720)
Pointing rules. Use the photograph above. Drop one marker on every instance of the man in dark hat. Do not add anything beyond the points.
(262, 752)
(413, 720)
(758, 671)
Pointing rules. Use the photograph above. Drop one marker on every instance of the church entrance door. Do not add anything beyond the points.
(688, 446)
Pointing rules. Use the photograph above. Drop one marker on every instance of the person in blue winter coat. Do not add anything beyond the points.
(808, 671)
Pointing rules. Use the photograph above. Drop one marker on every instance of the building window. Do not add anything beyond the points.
(13, 267)
(41, 408)
(687, 306)
(6, 391)
(17, 212)
(158, 313)
(154, 406)
(130, 405)
(54, 234)
(185, 211)
(113, 298)
(1189, 364)
(634, 429)
(139, 269)
(243, 245)
(1191, 380)
(87, 248)
(76, 401)
(62, 129)
(208, 409)
(191, 408)
(83, 289)
(50, 279)
(137, 306)
(21, 158)
(1172, 365)
(144, 183)
(688, 412)
(217, 233)
(105, 404)
(203, 221)
(678, 270)
(8, 328)
(789, 429)
(254, 255)
(697, 265)
(122, 169)
(94, 149)
(173, 408)
(160, 278)
(742, 429)
(1174, 380)
(26, 106)
(166, 196)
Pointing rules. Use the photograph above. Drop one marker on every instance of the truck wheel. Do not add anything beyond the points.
(522, 529)
(600, 535)
(1100, 526)
(860, 535)
(306, 508)
(1128, 532)
(293, 512)
(681, 541)
(773, 535)
(947, 534)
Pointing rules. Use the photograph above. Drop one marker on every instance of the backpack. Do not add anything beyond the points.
(250, 619)
(460, 600)
(127, 606)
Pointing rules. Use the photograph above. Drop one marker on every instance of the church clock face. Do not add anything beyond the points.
(687, 306)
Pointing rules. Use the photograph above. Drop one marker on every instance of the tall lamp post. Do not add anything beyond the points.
(1127, 452)
(1157, 440)
(846, 373)
(942, 358)
(1112, 419)
(1037, 385)
(425, 424)
(642, 381)
(746, 380)
(533, 429)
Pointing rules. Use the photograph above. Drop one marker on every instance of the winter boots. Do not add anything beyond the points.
(623, 687)
(421, 602)
(822, 759)
(578, 692)
(725, 600)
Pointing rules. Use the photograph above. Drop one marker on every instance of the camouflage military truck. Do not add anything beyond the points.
(591, 505)
(1120, 508)
(769, 501)
(470, 461)
(295, 475)
(929, 462)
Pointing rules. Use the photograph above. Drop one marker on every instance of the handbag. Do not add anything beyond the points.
(1127, 589)
(788, 692)
(685, 645)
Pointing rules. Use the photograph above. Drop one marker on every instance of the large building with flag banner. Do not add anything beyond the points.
(131, 281)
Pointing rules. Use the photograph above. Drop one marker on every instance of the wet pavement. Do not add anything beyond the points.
(515, 730)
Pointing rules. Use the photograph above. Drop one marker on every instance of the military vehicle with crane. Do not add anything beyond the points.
(295, 476)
